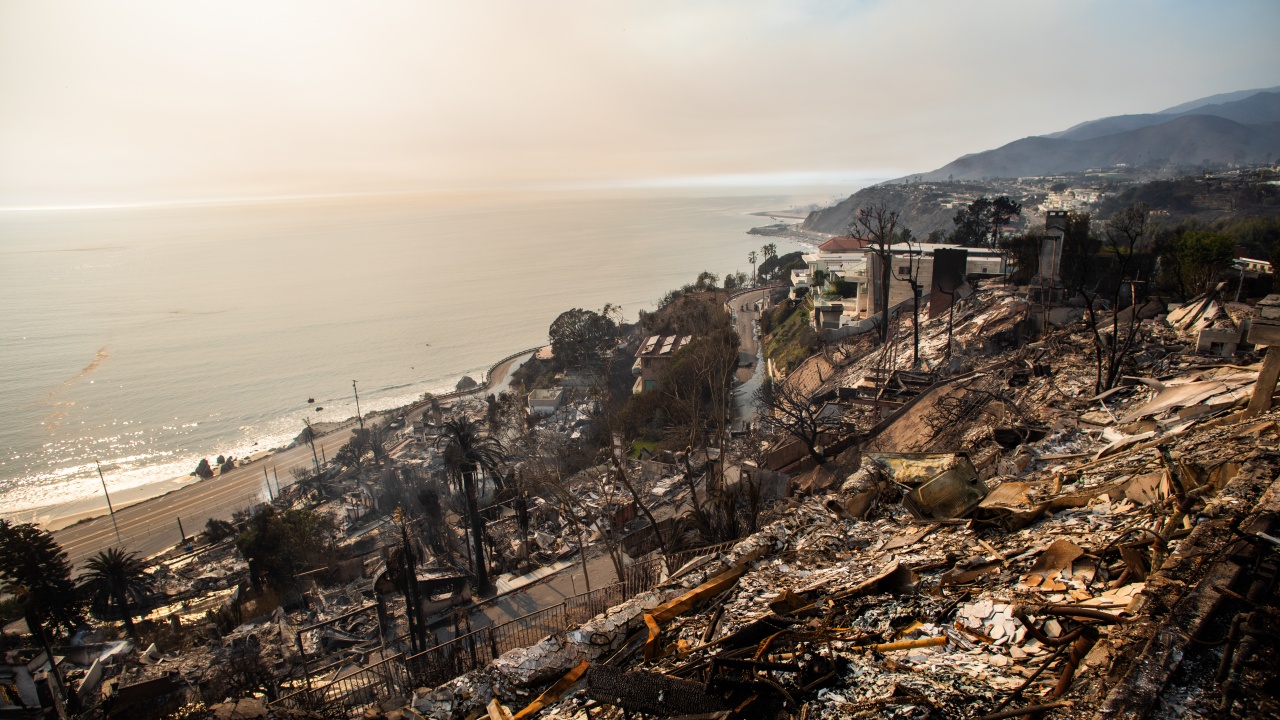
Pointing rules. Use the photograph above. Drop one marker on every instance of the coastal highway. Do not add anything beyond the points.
(151, 526)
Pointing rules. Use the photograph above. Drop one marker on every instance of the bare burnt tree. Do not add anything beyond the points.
(912, 278)
(304, 479)
(788, 409)
(309, 437)
(875, 226)
(729, 513)
(549, 472)
(1121, 242)
(960, 407)
(696, 388)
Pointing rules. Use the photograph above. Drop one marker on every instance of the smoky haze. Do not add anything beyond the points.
(159, 101)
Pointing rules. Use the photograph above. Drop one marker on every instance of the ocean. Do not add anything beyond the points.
(146, 338)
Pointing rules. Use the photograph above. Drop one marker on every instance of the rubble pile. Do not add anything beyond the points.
(1009, 542)
(897, 617)
(988, 536)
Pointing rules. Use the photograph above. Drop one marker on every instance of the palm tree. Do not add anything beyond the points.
(35, 569)
(114, 576)
(309, 437)
(466, 451)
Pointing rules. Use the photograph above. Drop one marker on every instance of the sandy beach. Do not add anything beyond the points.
(147, 521)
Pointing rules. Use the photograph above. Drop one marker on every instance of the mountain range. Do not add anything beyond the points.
(1240, 127)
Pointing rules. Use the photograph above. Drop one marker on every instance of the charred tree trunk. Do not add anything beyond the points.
(477, 529)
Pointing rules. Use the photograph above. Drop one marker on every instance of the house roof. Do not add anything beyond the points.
(843, 243)
(662, 345)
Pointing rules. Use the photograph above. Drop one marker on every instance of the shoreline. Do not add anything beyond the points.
(51, 519)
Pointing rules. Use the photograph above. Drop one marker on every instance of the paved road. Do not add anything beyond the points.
(743, 395)
(746, 319)
(151, 526)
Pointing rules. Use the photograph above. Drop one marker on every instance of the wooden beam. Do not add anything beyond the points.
(554, 692)
(680, 605)
(496, 711)
(1266, 385)
(1262, 332)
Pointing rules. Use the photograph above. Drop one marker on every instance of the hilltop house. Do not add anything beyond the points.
(850, 271)
(652, 358)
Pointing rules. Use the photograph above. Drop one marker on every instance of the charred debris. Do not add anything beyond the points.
(975, 530)
(1003, 540)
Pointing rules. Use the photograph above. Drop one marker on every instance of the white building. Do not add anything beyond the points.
(851, 273)
(545, 402)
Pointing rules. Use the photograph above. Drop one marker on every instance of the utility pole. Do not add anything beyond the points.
(311, 440)
(109, 508)
(359, 417)
(267, 479)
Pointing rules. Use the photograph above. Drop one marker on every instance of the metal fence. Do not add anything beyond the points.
(440, 664)
(446, 661)
(677, 560)
(646, 539)
(529, 628)
(352, 689)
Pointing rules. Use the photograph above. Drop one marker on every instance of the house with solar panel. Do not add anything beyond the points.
(652, 358)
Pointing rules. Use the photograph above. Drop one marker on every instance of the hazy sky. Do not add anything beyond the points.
(138, 101)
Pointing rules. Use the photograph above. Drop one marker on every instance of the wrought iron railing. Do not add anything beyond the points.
(399, 674)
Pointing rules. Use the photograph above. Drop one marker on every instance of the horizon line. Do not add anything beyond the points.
(732, 180)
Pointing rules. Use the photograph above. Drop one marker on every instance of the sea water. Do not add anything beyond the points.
(147, 338)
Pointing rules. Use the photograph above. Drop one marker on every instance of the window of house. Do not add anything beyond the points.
(904, 270)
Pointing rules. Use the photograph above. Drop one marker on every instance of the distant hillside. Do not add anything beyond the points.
(1260, 108)
(1231, 128)
(1184, 140)
(1209, 199)
(1215, 99)
(921, 208)
(1222, 129)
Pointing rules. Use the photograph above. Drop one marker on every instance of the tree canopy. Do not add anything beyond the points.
(1192, 257)
(980, 222)
(581, 337)
(279, 545)
(776, 267)
(114, 577)
(35, 569)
